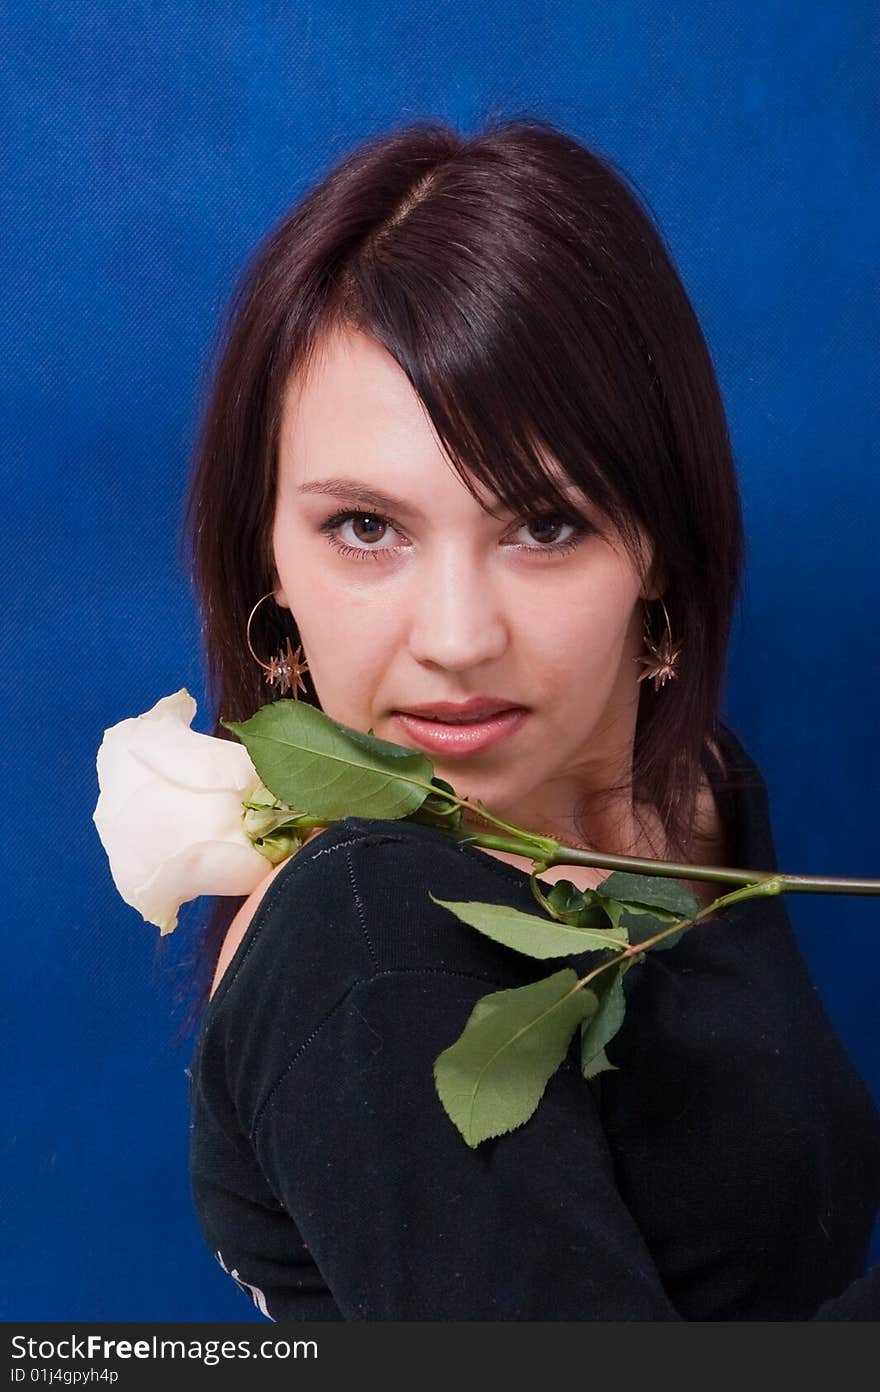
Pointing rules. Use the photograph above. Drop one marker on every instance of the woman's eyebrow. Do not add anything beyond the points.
(352, 490)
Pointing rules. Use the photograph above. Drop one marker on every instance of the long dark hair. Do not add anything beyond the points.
(517, 279)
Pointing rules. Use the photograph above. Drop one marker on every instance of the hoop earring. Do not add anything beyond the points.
(286, 667)
(661, 659)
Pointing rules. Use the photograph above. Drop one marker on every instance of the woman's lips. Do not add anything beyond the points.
(471, 738)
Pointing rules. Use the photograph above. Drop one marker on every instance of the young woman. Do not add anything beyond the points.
(464, 447)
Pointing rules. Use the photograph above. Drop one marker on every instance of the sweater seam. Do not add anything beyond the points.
(361, 913)
(358, 981)
(258, 922)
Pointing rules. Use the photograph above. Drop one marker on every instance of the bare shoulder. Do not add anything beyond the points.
(242, 920)
(240, 924)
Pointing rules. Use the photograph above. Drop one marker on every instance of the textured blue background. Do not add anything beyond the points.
(150, 147)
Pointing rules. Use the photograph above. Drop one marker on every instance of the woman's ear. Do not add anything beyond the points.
(278, 593)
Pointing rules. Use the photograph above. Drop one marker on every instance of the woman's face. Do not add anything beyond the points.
(436, 600)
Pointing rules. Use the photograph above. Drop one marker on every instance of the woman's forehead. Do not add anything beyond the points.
(353, 428)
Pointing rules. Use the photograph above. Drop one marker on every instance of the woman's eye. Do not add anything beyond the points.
(367, 527)
(546, 529)
(366, 530)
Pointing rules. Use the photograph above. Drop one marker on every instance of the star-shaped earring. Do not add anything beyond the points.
(286, 669)
(660, 664)
(661, 658)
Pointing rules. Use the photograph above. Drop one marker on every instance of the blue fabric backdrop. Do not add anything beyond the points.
(150, 146)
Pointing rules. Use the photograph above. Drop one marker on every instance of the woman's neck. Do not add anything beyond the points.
(640, 833)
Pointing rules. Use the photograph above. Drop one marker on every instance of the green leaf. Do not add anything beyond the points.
(657, 892)
(529, 933)
(437, 811)
(600, 1064)
(494, 1075)
(565, 898)
(573, 905)
(641, 925)
(600, 1028)
(327, 769)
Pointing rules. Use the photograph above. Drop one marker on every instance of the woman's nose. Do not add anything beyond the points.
(458, 620)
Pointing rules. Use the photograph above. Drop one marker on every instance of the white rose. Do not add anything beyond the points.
(169, 812)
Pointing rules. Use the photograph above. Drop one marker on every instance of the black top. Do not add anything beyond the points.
(728, 1169)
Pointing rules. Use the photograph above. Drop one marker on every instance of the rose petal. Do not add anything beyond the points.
(209, 867)
(160, 743)
(155, 821)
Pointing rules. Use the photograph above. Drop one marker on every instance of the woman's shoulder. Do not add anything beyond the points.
(240, 924)
(260, 900)
(362, 899)
(356, 901)
(352, 912)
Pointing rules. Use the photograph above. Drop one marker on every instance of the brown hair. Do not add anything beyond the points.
(516, 278)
